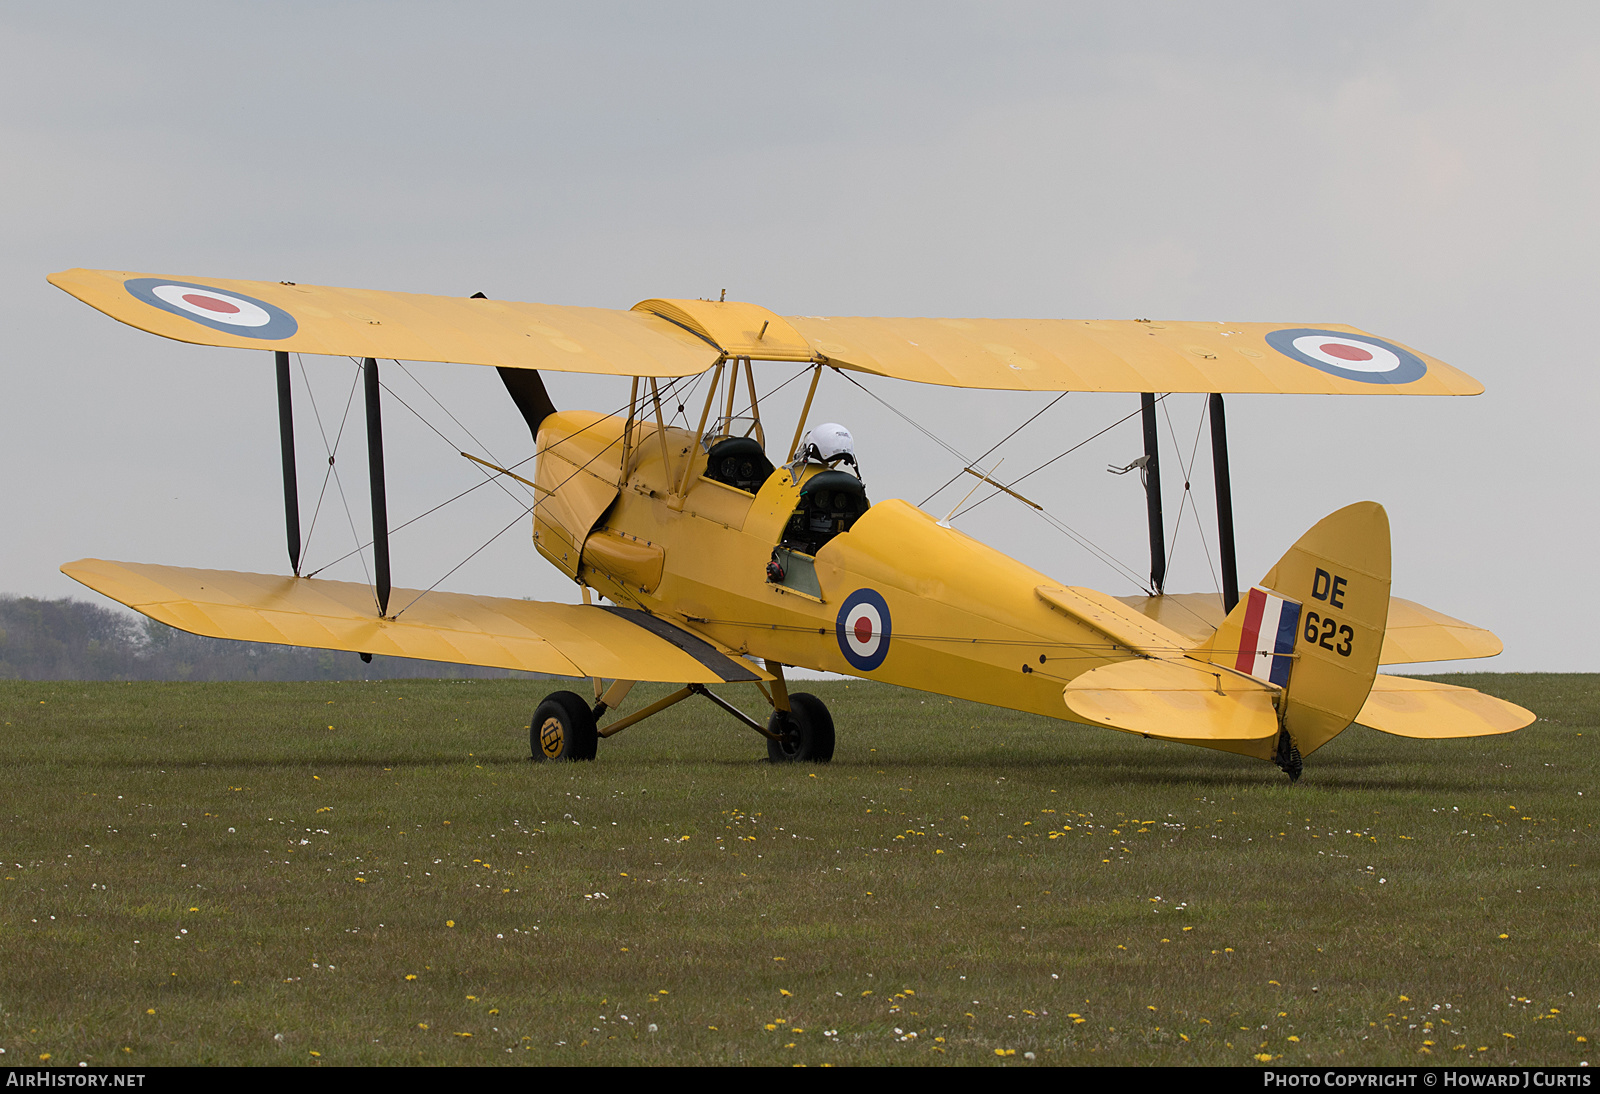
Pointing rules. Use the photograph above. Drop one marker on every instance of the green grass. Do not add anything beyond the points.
(259, 873)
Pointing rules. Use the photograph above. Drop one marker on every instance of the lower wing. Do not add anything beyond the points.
(497, 632)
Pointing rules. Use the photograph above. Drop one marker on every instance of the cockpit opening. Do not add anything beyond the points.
(738, 462)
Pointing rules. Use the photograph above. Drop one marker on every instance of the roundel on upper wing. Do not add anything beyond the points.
(1350, 356)
(864, 629)
(229, 312)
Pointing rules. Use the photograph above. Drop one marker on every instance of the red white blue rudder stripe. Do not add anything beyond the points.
(1271, 625)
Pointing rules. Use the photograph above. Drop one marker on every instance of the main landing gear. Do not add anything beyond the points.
(566, 727)
(563, 729)
(803, 734)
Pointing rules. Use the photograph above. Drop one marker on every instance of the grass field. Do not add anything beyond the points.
(376, 873)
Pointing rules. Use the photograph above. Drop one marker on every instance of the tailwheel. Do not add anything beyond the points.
(806, 730)
(1288, 757)
(563, 729)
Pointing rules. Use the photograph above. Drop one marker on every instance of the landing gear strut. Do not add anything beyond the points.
(566, 727)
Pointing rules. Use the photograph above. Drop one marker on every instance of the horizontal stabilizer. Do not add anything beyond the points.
(496, 632)
(1414, 633)
(1424, 708)
(1180, 700)
(1126, 627)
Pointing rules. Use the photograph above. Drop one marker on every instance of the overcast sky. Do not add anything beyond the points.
(1426, 172)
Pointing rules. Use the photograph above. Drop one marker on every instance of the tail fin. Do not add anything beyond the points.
(1315, 625)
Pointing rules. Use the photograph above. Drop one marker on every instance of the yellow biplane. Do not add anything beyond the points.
(719, 565)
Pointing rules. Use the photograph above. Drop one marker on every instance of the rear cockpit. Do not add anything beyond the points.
(830, 503)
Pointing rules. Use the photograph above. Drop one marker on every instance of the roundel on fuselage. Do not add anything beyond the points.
(864, 629)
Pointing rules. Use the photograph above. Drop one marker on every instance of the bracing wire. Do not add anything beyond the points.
(1055, 522)
(333, 469)
(1188, 495)
(1053, 459)
(991, 448)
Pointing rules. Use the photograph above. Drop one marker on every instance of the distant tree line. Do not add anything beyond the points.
(73, 640)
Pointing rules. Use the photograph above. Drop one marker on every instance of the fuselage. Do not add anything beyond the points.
(897, 598)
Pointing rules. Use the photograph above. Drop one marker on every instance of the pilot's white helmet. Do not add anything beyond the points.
(830, 441)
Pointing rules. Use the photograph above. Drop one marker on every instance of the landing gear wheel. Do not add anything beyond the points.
(807, 732)
(563, 729)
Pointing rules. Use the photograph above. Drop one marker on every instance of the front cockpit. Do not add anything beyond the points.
(739, 462)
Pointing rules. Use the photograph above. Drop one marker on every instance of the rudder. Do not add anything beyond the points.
(1338, 576)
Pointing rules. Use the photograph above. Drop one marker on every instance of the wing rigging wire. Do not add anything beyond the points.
(525, 508)
(668, 389)
(1049, 518)
(1188, 496)
(333, 469)
(990, 450)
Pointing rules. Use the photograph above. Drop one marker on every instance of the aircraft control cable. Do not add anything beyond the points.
(1079, 649)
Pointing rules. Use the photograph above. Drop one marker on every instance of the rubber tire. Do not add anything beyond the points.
(571, 731)
(809, 718)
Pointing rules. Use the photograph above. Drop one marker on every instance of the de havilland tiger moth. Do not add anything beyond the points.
(724, 560)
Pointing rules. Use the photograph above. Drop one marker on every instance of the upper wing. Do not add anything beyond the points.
(400, 326)
(662, 337)
(1132, 355)
(562, 639)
